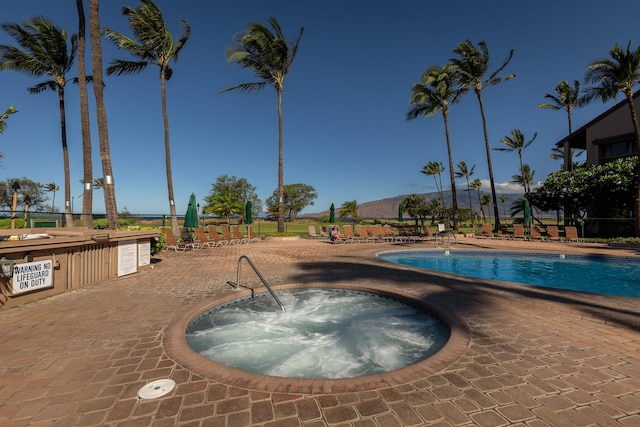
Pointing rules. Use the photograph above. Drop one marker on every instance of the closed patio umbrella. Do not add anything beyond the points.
(248, 213)
(527, 213)
(400, 212)
(332, 214)
(191, 217)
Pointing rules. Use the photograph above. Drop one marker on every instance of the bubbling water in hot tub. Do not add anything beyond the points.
(323, 333)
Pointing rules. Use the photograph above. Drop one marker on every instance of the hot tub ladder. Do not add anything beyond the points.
(264, 282)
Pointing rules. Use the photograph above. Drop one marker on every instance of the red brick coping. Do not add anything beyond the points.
(177, 348)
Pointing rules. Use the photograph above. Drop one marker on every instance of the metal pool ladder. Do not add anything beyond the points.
(264, 282)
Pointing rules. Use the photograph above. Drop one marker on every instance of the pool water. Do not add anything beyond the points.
(323, 333)
(595, 274)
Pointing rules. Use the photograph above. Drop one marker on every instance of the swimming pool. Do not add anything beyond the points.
(595, 274)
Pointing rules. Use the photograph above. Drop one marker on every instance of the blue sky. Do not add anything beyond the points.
(344, 102)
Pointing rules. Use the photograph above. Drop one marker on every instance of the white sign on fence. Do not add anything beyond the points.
(30, 276)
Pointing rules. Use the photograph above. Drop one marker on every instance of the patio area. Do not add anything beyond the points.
(522, 355)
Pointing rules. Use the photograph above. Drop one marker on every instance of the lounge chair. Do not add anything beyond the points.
(364, 233)
(391, 234)
(518, 232)
(235, 232)
(323, 234)
(571, 233)
(535, 233)
(554, 233)
(213, 235)
(224, 228)
(203, 240)
(252, 236)
(428, 234)
(312, 232)
(487, 231)
(172, 243)
(378, 232)
(503, 233)
(349, 236)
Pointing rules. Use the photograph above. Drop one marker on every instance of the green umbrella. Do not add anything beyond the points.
(248, 213)
(191, 217)
(332, 214)
(400, 212)
(527, 212)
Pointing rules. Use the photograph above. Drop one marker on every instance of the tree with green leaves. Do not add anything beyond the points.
(268, 55)
(416, 206)
(567, 98)
(466, 173)
(618, 74)
(516, 143)
(229, 196)
(44, 50)
(108, 190)
(349, 210)
(296, 198)
(31, 191)
(435, 170)
(153, 44)
(436, 91)
(471, 66)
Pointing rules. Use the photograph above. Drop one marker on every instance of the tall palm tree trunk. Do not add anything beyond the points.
(280, 167)
(108, 188)
(452, 176)
(87, 197)
(167, 153)
(496, 212)
(471, 215)
(65, 159)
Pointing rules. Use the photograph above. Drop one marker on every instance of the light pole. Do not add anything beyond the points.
(14, 203)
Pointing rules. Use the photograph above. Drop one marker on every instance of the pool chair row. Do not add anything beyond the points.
(200, 239)
(368, 234)
(552, 233)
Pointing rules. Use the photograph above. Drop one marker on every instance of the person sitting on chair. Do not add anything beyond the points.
(335, 233)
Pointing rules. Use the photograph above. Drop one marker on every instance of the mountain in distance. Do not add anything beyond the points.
(388, 208)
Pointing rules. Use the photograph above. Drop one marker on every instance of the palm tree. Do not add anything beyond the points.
(436, 90)
(52, 188)
(503, 200)
(44, 52)
(516, 143)
(269, 56)
(476, 184)
(4, 116)
(154, 44)
(621, 73)
(435, 170)
(485, 200)
(109, 191)
(471, 66)
(87, 199)
(416, 206)
(466, 173)
(525, 179)
(349, 209)
(567, 99)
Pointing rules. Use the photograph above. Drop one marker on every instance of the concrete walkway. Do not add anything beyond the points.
(521, 355)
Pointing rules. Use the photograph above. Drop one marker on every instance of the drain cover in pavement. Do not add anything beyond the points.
(156, 389)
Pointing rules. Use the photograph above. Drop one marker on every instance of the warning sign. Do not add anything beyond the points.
(30, 276)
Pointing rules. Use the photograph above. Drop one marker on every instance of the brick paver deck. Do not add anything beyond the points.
(531, 356)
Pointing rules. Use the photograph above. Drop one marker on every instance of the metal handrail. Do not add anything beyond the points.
(447, 234)
(264, 282)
